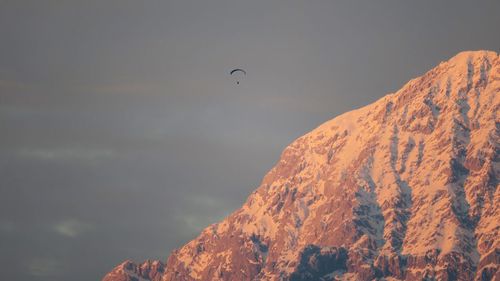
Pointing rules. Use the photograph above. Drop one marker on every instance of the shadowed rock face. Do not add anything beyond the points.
(405, 188)
(316, 262)
(129, 271)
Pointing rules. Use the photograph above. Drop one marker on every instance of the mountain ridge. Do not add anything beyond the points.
(403, 188)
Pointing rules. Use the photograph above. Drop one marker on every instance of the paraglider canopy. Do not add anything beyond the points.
(237, 72)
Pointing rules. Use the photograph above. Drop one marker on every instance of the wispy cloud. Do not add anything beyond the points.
(209, 210)
(43, 267)
(66, 153)
(127, 88)
(7, 226)
(71, 228)
(11, 85)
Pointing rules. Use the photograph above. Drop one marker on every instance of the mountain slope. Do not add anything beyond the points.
(404, 188)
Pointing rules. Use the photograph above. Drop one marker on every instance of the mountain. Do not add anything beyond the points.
(129, 271)
(405, 188)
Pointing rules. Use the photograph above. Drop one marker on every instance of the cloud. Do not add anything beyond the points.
(66, 153)
(7, 226)
(9, 85)
(71, 228)
(43, 267)
(204, 210)
(128, 88)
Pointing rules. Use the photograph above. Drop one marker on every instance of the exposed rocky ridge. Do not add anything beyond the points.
(405, 188)
(129, 271)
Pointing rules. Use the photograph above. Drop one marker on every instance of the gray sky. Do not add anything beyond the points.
(122, 134)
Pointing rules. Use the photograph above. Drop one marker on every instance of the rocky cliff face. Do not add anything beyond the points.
(403, 189)
(129, 271)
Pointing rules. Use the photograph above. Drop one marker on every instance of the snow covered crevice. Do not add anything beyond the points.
(397, 209)
(470, 73)
(448, 87)
(368, 218)
(458, 173)
(408, 148)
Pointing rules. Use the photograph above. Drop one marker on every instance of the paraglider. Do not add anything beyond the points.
(238, 71)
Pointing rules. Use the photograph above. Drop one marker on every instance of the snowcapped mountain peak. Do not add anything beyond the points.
(404, 188)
